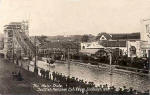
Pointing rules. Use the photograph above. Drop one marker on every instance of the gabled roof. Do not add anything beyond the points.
(106, 35)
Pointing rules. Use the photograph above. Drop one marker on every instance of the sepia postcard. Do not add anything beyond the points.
(74, 47)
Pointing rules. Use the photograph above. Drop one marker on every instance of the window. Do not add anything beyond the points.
(144, 53)
(83, 47)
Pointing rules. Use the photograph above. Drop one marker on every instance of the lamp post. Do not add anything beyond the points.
(109, 51)
(13, 52)
(20, 60)
(110, 62)
(68, 63)
(68, 83)
(35, 64)
(110, 57)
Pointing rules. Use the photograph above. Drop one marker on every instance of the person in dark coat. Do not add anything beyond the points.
(47, 74)
(19, 77)
(44, 74)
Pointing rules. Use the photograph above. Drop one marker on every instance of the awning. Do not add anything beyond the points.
(25, 58)
(89, 51)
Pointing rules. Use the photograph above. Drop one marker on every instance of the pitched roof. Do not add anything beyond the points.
(128, 36)
(107, 36)
(89, 51)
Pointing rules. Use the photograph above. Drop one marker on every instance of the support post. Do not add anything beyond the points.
(35, 64)
(68, 79)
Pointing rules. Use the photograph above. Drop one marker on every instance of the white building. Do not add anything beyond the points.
(145, 46)
(129, 44)
(91, 47)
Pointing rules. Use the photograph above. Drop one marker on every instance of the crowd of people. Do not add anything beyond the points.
(80, 86)
(65, 81)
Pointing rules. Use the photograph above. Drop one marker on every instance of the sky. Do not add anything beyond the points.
(75, 17)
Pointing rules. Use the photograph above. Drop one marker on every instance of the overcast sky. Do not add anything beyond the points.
(69, 17)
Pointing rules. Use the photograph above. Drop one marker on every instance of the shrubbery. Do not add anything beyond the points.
(139, 63)
(121, 60)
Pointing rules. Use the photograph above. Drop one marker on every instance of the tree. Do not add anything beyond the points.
(85, 38)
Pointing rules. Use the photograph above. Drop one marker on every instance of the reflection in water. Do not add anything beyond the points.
(102, 76)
